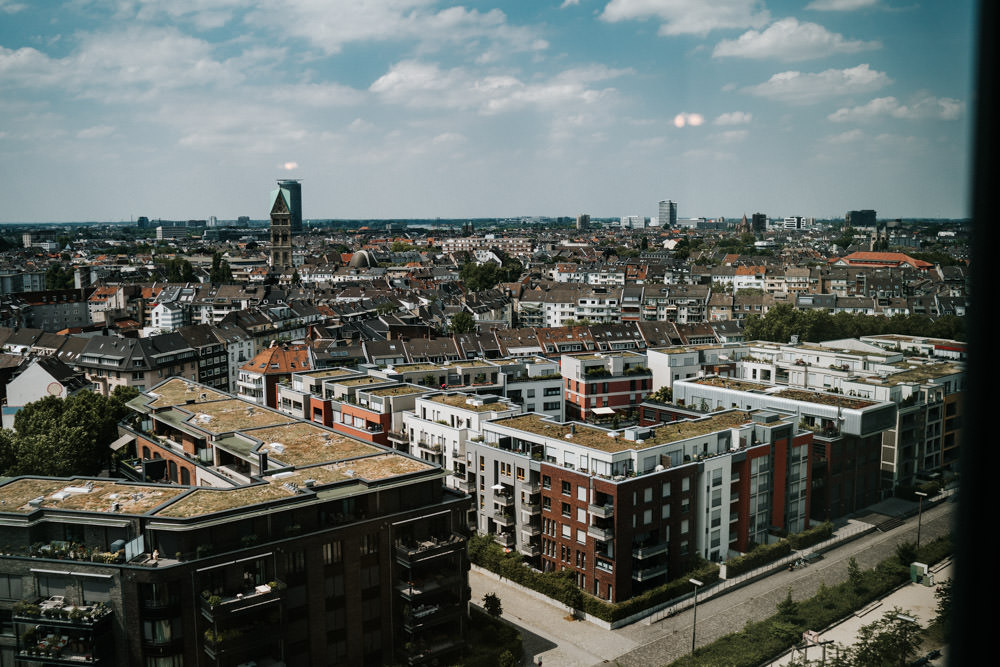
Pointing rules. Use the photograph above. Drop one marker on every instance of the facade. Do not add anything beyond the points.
(667, 211)
(258, 379)
(110, 361)
(604, 386)
(351, 554)
(627, 510)
(847, 435)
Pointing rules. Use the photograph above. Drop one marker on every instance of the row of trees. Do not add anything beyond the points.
(813, 326)
(63, 437)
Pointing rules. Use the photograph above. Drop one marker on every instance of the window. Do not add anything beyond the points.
(566, 510)
(567, 488)
(666, 489)
(647, 495)
(369, 544)
(665, 511)
(520, 474)
(581, 493)
(647, 516)
(10, 587)
(581, 515)
(546, 503)
(684, 527)
(686, 484)
(546, 482)
(551, 391)
(333, 552)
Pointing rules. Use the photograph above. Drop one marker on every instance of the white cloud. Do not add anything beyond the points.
(841, 5)
(423, 85)
(689, 16)
(790, 40)
(924, 106)
(95, 132)
(290, 166)
(569, 3)
(330, 25)
(733, 118)
(808, 88)
(846, 137)
(730, 136)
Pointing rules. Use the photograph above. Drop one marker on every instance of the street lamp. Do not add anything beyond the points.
(694, 622)
(920, 512)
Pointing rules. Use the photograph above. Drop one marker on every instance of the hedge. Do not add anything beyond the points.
(761, 641)
(761, 555)
(561, 585)
(814, 535)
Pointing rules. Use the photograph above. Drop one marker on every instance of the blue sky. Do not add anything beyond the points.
(112, 109)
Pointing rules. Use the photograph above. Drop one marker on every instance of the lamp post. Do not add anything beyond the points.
(920, 513)
(694, 622)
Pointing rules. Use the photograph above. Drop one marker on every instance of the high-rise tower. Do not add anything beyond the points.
(668, 213)
(294, 189)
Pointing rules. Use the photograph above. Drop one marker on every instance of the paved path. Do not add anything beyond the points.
(547, 633)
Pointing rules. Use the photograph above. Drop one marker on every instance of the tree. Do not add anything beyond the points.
(891, 640)
(788, 608)
(462, 322)
(492, 605)
(855, 576)
(220, 273)
(663, 395)
(943, 596)
(55, 436)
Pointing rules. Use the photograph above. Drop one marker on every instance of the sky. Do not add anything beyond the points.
(185, 109)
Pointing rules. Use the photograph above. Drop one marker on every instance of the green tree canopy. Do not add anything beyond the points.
(462, 322)
(62, 437)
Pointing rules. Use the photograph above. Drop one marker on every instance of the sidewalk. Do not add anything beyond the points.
(545, 630)
(915, 600)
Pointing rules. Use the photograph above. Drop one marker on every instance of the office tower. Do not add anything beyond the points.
(582, 221)
(865, 218)
(759, 222)
(294, 189)
(668, 213)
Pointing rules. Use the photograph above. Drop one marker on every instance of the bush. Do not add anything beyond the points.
(814, 535)
(760, 556)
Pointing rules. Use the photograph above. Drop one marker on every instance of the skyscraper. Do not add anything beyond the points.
(668, 213)
(294, 189)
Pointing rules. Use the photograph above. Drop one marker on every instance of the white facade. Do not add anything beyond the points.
(440, 425)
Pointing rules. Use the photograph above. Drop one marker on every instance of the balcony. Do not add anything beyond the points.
(427, 616)
(531, 508)
(649, 551)
(649, 573)
(530, 549)
(411, 590)
(465, 485)
(505, 539)
(502, 519)
(604, 565)
(424, 550)
(531, 530)
(601, 534)
(602, 511)
(217, 606)
(503, 499)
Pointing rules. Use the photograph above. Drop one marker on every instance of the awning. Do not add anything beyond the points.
(122, 441)
(603, 411)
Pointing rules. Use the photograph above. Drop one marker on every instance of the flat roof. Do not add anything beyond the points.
(463, 401)
(176, 391)
(91, 495)
(233, 414)
(599, 438)
(303, 443)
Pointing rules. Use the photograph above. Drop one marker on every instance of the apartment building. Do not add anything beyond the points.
(628, 509)
(110, 361)
(332, 550)
(604, 386)
(440, 425)
(847, 435)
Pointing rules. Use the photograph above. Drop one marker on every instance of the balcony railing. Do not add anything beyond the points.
(649, 573)
(503, 499)
(599, 533)
(602, 511)
(214, 606)
(432, 547)
(503, 519)
(505, 539)
(649, 551)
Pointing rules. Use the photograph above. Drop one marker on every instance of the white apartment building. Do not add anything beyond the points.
(440, 426)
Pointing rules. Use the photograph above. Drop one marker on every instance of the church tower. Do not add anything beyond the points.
(281, 230)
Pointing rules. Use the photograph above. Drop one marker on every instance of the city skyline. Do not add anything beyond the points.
(424, 109)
